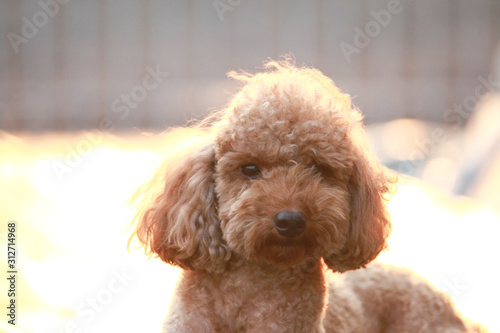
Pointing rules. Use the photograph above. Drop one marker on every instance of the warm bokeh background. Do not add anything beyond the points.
(80, 112)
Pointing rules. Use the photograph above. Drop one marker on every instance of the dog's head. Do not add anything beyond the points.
(283, 176)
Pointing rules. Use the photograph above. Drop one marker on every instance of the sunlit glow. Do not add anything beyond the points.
(72, 237)
(488, 188)
(442, 172)
(400, 139)
(7, 170)
(482, 144)
(449, 242)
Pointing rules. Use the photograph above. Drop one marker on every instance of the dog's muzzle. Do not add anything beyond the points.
(290, 223)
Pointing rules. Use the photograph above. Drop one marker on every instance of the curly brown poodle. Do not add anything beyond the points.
(257, 202)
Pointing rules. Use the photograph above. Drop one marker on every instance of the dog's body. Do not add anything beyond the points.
(378, 299)
(386, 299)
(273, 300)
(278, 189)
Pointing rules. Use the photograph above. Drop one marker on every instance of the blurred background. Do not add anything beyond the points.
(86, 86)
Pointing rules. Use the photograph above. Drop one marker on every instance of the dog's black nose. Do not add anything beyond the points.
(290, 223)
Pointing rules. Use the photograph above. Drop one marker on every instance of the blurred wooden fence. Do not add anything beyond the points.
(71, 63)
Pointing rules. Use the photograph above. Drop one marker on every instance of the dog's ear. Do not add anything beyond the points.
(369, 224)
(181, 224)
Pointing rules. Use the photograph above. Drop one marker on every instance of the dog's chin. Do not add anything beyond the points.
(283, 253)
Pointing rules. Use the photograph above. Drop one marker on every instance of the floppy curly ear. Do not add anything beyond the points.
(181, 225)
(369, 224)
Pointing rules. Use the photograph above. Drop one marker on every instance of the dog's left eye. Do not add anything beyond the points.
(321, 169)
(316, 168)
(250, 171)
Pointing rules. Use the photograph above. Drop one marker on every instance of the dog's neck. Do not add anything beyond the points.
(250, 294)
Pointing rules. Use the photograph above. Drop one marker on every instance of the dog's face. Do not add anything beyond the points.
(283, 180)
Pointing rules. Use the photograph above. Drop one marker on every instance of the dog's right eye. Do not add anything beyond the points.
(250, 171)
(321, 169)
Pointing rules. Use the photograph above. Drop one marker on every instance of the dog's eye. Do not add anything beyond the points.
(250, 171)
(321, 169)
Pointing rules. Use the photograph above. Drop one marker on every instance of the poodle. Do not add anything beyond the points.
(258, 201)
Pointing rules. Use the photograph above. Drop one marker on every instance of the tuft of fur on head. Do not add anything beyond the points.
(309, 143)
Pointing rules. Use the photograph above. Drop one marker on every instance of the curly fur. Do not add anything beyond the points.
(199, 212)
